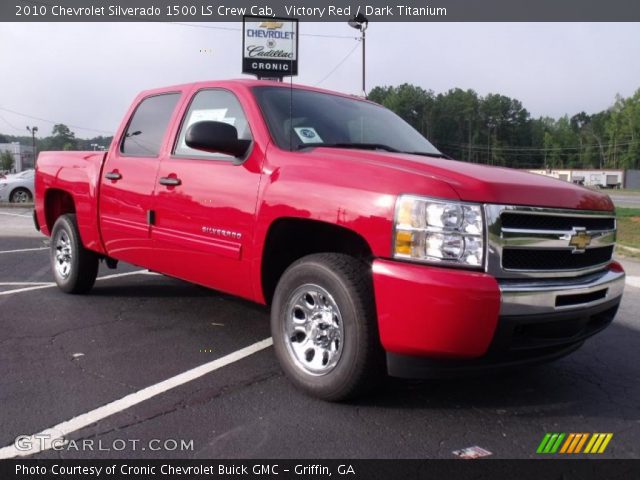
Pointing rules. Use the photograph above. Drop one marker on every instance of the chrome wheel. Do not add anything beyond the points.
(313, 329)
(63, 255)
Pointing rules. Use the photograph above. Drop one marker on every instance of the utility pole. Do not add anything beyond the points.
(33, 131)
(360, 22)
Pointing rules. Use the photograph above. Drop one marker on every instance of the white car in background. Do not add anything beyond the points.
(17, 188)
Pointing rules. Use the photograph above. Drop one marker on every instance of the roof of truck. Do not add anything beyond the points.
(247, 83)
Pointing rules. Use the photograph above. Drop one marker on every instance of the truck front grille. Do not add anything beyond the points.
(542, 242)
(550, 222)
(532, 259)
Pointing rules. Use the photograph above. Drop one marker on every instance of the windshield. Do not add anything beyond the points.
(301, 118)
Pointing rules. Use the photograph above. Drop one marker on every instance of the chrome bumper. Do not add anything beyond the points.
(559, 295)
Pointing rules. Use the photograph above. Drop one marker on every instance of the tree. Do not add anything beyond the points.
(62, 138)
(6, 160)
(411, 103)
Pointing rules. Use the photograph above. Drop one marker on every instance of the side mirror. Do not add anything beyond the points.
(216, 137)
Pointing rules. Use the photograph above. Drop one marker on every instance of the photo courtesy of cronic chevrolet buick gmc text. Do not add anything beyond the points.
(374, 251)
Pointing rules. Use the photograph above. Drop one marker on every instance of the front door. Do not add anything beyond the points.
(205, 203)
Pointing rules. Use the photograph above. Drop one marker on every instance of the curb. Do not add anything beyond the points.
(16, 205)
(631, 249)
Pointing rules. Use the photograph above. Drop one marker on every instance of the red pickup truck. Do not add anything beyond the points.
(371, 247)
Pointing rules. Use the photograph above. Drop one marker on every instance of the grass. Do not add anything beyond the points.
(624, 191)
(629, 229)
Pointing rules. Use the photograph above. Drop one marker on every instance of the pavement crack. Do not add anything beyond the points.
(185, 403)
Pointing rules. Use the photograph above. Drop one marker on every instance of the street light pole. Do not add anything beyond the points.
(360, 22)
(33, 131)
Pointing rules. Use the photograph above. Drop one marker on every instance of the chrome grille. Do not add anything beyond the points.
(542, 242)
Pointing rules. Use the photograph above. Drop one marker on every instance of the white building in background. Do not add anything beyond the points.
(588, 178)
(22, 155)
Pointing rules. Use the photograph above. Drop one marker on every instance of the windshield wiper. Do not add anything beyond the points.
(430, 154)
(363, 146)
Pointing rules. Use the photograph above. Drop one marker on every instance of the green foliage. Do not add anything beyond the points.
(498, 130)
(62, 138)
(6, 161)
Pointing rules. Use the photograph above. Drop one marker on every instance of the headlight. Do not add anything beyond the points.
(438, 231)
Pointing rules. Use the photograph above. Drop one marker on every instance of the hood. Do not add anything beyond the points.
(478, 183)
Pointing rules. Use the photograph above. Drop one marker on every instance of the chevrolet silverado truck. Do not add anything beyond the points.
(373, 250)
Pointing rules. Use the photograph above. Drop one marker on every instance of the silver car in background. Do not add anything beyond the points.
(18, 187)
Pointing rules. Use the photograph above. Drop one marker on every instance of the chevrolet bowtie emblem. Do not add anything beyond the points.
(271, 25)
(579, 241)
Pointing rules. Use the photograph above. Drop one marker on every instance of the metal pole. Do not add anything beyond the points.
(33, 145)
(364, 89)
(33, 131)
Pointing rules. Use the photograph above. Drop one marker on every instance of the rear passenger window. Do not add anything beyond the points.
(217, 105)
(147, 127)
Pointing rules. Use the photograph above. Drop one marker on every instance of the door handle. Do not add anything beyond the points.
(112, 176)
(170, 181)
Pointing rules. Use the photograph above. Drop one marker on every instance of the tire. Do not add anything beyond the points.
(324, 327)
(21, 195)
(74, 267)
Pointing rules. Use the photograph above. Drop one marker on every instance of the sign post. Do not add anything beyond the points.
(270, 47)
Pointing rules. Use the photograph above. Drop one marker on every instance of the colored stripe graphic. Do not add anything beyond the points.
(598, 443)
(550, 443)
(565, 447)
(556, 445)
(543, 443)
(573, 443)
(581, 443)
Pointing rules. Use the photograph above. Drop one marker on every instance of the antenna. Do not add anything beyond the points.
(291, 97)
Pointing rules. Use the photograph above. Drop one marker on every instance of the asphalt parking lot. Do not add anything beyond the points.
(62, 357)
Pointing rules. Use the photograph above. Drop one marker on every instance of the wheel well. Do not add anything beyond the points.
(20, 188)
(56, 203)
(289, 239)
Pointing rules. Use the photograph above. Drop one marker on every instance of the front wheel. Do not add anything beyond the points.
(324, 326)
(74, 267)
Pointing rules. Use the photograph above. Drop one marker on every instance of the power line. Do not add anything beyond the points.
(338, 65)
(532, 150)
(10, 124)
(54, 122)
(235, 29)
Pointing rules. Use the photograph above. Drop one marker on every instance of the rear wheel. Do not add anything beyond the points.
(74, 267)
(21, 195)
(324, 326)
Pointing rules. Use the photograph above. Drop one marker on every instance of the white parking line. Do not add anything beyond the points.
(53, 436)
(25, 250)
(49, 285)
(19, 284)
(26, 215)
(633, 281)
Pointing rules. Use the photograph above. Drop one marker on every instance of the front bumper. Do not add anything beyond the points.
(436, 318)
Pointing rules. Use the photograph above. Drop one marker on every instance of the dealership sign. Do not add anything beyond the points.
(270, 46)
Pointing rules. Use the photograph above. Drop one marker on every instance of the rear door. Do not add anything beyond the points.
(129, 178)
(205, 202)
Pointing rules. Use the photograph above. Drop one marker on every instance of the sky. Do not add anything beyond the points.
(86, 74)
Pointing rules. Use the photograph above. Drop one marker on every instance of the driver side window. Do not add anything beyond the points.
(216, 105)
